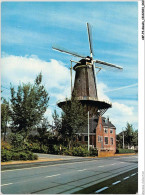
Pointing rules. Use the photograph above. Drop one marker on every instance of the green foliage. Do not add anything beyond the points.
(123, 151)
(5, 116)
(16, 140)
(80, 151)
(7, 155)
(5, 145)
(29, 104)
(74, 119)
(93, 152)
(38, 148)
(130, 137)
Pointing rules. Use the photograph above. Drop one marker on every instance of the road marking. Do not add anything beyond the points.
(82, 170)
(113, 164)
(100, 190)
(116, 182)
(100, 166)
(125, 178)
(133, 174)
(6, 184)
(47, 166)
(52, 175)
(122, 162)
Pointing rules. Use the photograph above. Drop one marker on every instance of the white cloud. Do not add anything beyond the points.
(56, 77)
(122, 111)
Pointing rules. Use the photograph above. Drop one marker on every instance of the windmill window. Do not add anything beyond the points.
(106, 140)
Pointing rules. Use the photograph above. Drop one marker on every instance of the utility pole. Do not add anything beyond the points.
(88, 133)
(71, 76)
(123, 139)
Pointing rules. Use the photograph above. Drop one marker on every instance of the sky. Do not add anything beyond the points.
(30, 29)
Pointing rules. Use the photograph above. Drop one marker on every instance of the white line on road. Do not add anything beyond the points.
(100, 166)
(113, 164)
(82, 170)
(125, 178)
(100, 190)
(6, 184)
(52, 175)
(133, 174)
(116, 182)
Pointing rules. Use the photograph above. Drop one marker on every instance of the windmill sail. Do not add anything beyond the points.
(108, 64)
(90, 39)
(68, 52)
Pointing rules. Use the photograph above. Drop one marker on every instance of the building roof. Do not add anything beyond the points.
(93, 124)
(107, 123)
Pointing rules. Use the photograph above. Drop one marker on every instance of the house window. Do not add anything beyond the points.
(86, 138)
(111, 130)
(106, 130)
(106, 140)
(100, 138)
(111, 140)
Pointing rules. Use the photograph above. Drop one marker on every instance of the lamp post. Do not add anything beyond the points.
(123, 139)
(88, 133)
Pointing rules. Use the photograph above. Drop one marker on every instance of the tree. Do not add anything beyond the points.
(42, 129)
(74, 119)
(130, 136)
(28, 105)
(5, 116)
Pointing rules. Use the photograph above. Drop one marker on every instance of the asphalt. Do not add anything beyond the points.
(65, 176)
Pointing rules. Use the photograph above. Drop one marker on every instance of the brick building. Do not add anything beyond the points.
(102, 134)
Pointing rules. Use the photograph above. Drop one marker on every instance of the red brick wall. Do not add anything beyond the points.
(100, 132)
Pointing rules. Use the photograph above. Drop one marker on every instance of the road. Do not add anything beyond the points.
(66, 177)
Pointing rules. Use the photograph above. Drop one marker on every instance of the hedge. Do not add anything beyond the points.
(123, 151)
(7, 155)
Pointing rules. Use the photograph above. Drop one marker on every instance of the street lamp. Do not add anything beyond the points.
(88, 133)
(123, 138)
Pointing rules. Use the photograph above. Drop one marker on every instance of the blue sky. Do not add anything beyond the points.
(29, 29)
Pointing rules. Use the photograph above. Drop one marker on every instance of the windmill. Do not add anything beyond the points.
(85, 85)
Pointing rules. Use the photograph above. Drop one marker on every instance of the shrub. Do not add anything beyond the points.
(15, 156)
(80, 151)
(93, 152)
(5, 145)
(16, 140)
(123, 151)
(6, 155)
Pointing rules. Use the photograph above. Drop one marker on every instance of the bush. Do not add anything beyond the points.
(80, 151)
(16, 140)
(7, 155)
(124, 151)
(93, 152)
(5, 145)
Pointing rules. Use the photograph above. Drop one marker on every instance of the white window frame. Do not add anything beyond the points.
(111, 141)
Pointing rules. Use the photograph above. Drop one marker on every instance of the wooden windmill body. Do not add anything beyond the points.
(85, 86)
